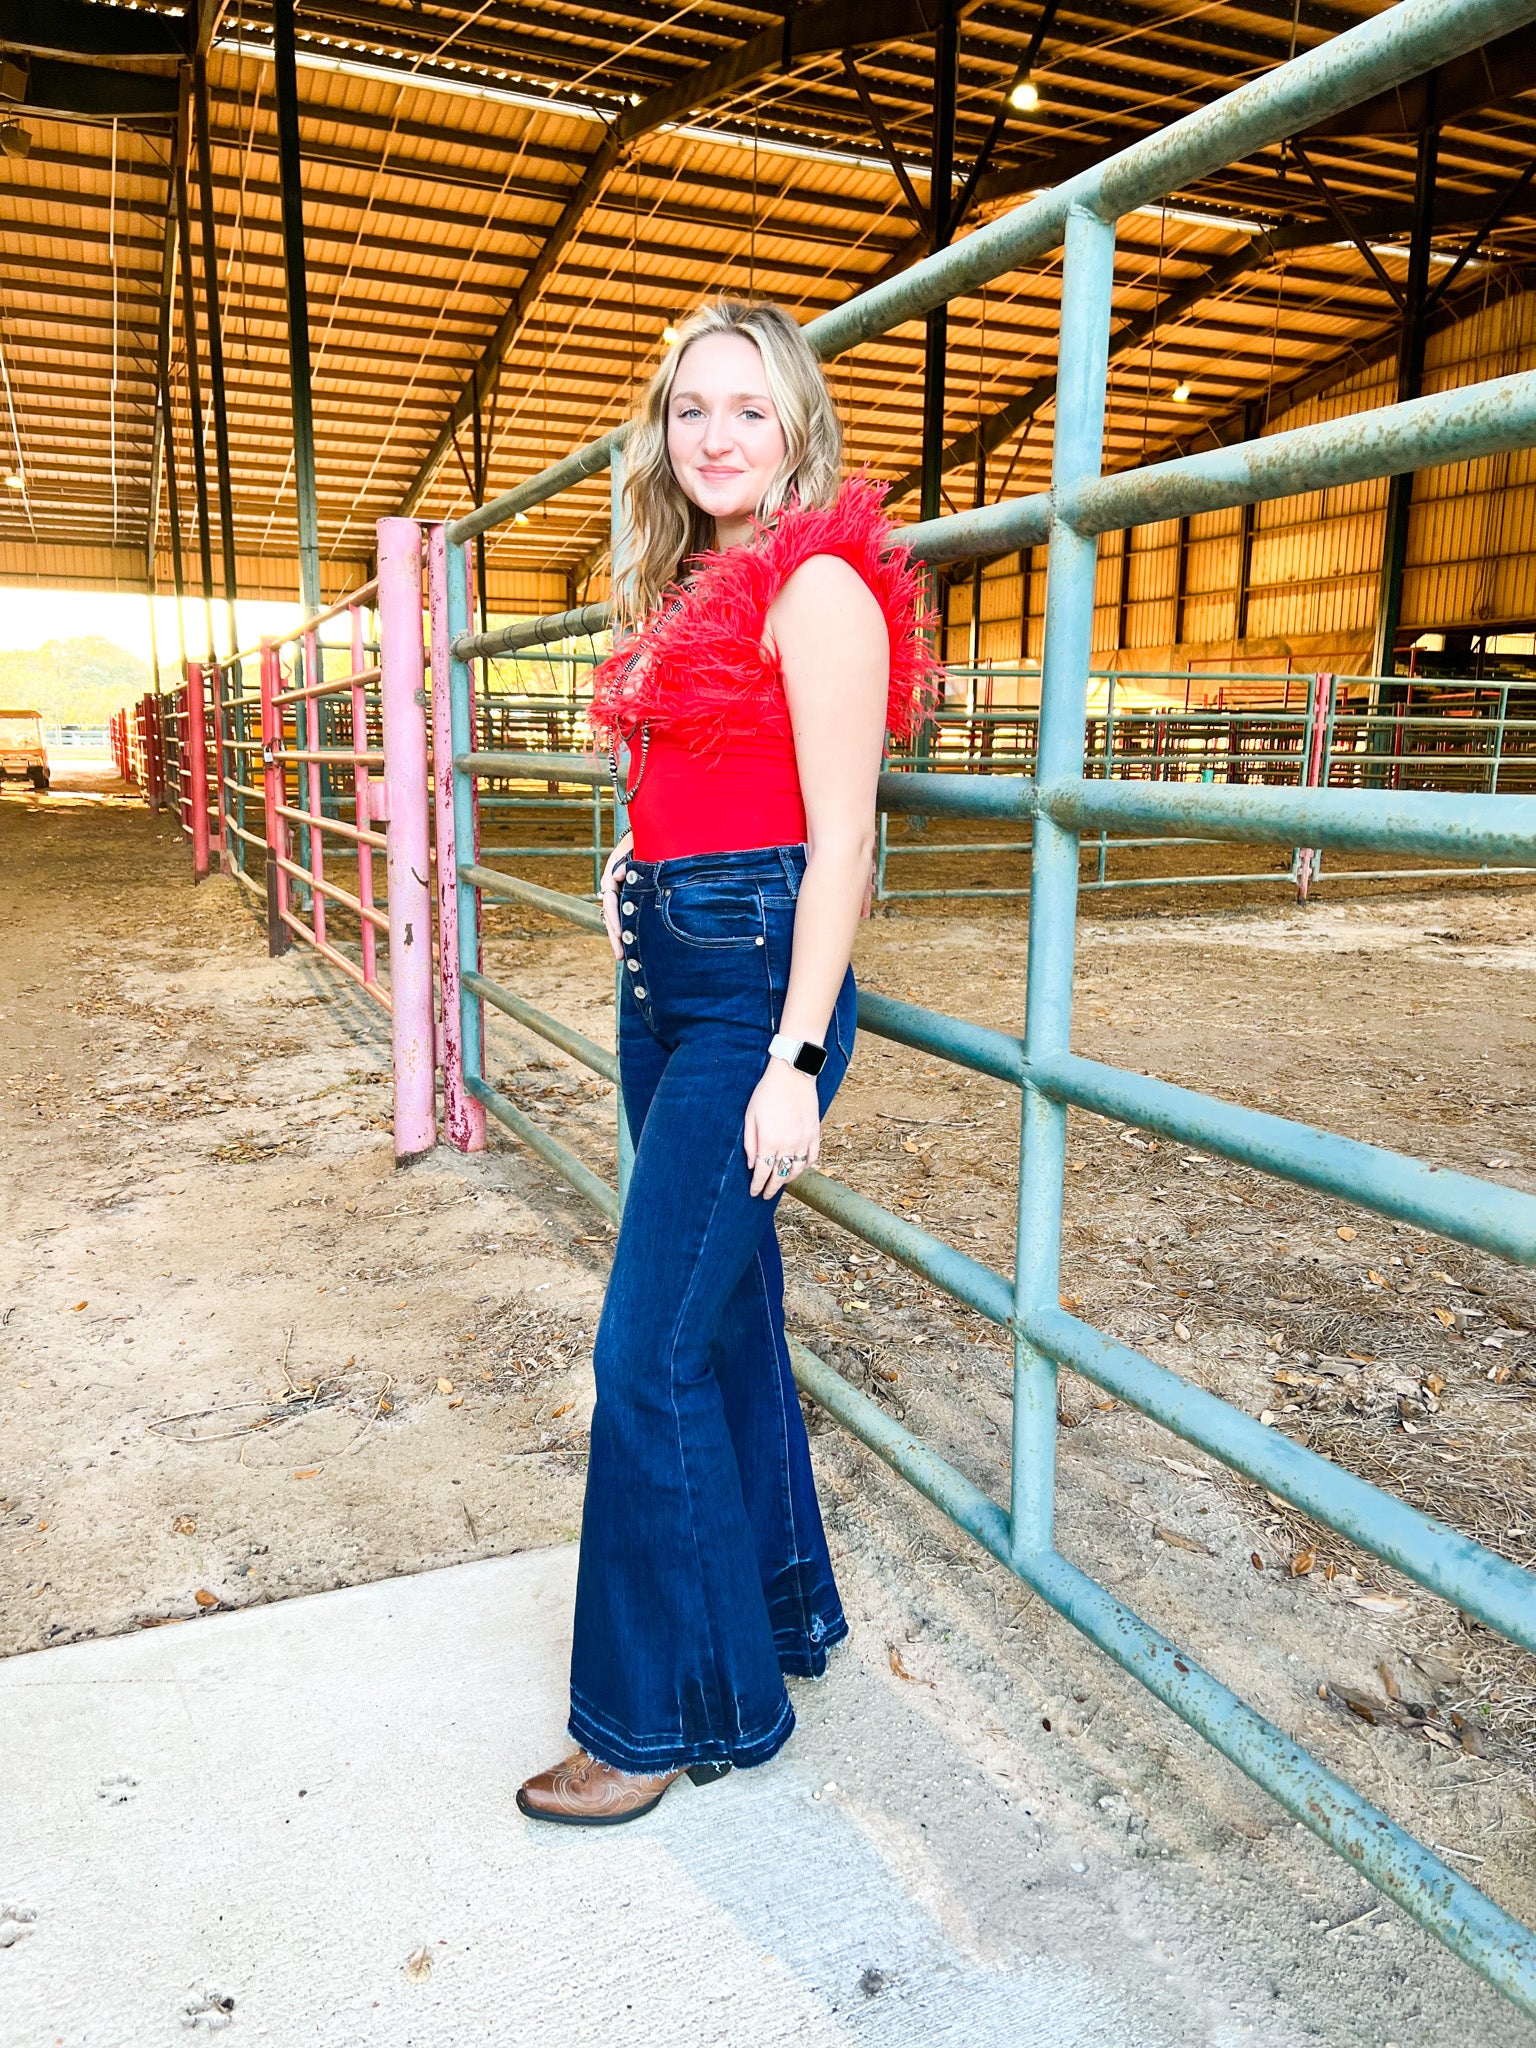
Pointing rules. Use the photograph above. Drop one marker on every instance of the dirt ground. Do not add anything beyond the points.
(242, 1357)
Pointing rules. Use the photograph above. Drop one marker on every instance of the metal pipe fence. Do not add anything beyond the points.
(1322, 743)
(303, 764)
(1461, 736)
(1060, 802)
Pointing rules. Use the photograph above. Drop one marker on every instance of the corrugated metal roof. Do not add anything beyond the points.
(442, 141)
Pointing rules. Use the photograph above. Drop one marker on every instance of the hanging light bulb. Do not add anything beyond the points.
(669, 334)
(519, 518)
(1024, 95)
(14, 482)
(1181, 394)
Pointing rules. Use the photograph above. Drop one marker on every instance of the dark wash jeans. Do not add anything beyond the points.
(704, 1571)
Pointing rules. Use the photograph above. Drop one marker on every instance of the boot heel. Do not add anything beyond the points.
(708, 1774)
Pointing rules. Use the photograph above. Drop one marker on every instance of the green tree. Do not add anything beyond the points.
(72, 682)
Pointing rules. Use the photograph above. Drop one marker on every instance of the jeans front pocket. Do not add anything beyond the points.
(714, 912)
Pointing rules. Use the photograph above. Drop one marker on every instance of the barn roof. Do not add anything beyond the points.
(518, 198)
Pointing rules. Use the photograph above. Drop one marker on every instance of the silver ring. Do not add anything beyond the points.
(799, 1157)
(783, 1166)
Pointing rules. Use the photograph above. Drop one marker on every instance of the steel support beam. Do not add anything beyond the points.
(215, 342)
(291, 165)
(159, 435)
(1253, 426)
(1410, 384)
(80, 28)
(194, 375)
(137, 99)
(946, 65)
(1181, 582)
(1123, 595)
(478, 486)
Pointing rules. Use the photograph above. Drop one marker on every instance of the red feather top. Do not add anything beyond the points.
(697, 670)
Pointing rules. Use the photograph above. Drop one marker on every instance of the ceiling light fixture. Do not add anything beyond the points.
(669, 335)
(1024, 94)
(519, 518)
(1181, 394)
(14, 139)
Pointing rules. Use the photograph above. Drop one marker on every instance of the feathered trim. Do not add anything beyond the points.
(697, 671)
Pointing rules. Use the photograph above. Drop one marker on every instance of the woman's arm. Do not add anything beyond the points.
(830, 634)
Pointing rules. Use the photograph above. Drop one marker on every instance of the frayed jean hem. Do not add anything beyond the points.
(647, 1756)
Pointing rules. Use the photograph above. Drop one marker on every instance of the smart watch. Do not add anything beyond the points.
(801, 1054)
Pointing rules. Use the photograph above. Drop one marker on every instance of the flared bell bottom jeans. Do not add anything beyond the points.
(704, 1574)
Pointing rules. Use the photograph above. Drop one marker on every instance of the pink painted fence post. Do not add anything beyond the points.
(463, 1117)
(197, 771)
(407, 834)
(279, 939)
(1312, 772)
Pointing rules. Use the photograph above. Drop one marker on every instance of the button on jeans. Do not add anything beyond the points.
(704, 1571)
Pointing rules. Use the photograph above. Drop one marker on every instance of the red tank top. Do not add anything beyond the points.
(695, 689)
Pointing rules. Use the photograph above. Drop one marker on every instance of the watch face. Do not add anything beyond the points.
(810, 1059)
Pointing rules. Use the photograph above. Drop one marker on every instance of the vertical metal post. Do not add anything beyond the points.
(466, 837)
(973, 650)
(463, 1117)
(408, 858)
(1088, 276)
(946, 51)
(279, 938)
(194, 389)
(362, 797)
(1253, 426)
(478, 438)
(215, 345)
(1410, 384)
(290, 161)
(1181, 590)
(1109, 758)
(1498, 742)
(310, 735)
(1123, 605)
(618, 557)
(160, 435)
(946, 47)
(197, 771)
(173, 512)
(1314, 746)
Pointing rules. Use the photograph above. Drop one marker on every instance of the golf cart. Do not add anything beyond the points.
(22, 752)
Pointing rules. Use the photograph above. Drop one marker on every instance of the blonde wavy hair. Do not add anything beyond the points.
(664, 529)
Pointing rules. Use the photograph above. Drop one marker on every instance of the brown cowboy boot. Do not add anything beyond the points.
(583, 1793)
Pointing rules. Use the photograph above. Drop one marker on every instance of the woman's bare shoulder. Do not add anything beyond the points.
(824, 587)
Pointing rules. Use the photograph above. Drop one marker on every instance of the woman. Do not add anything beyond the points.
(754, 700)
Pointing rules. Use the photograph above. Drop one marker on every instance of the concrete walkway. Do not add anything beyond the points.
(283, 1807)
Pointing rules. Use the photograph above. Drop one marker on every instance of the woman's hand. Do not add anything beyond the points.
(608, 892)
(783, 1122)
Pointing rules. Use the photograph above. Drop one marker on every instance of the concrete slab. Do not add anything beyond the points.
(280, 1807)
